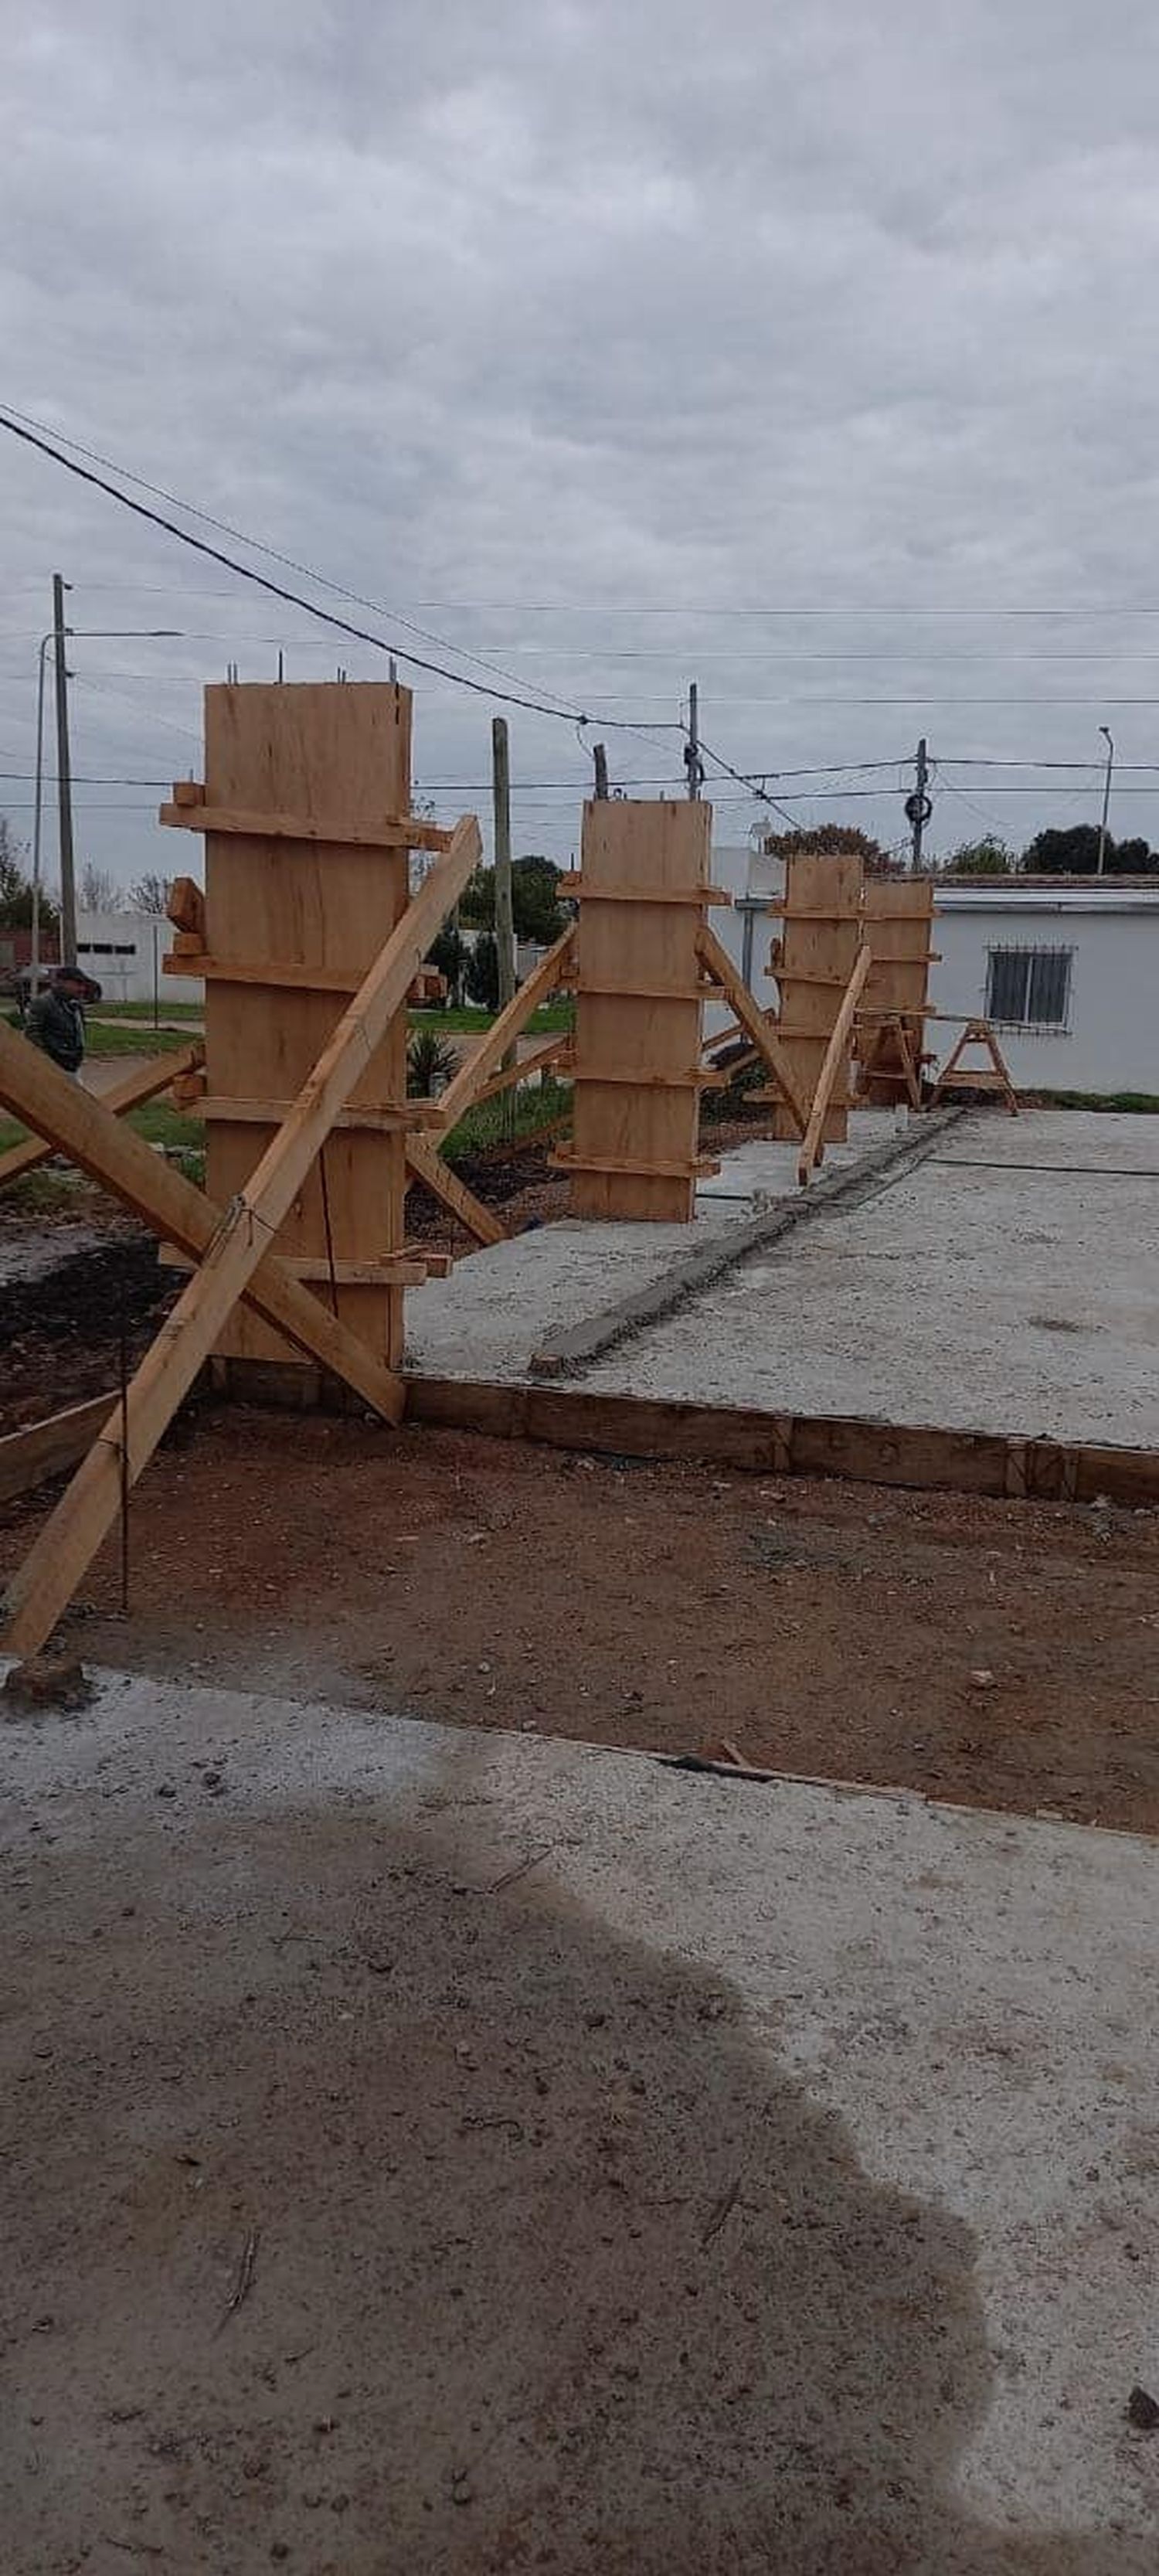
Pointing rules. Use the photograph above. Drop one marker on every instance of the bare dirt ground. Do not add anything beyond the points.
(991, 1653)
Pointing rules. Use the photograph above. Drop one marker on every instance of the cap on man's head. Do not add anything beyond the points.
(72, 974)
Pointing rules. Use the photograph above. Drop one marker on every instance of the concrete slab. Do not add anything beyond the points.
(437, 2150)
(497, 1307)
(1007, 1284)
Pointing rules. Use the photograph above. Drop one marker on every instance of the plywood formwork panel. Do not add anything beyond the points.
(899, 916)
(638, 1009)
(813, 960)
(340, 753)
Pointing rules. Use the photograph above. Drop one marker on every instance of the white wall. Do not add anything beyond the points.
(124, 951)
(747, 934)
(1111, 1042)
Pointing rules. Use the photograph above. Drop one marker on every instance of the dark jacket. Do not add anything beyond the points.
(56, 1025)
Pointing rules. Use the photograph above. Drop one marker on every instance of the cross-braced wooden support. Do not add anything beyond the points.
(754, 1024)
(956, 1076)
(238, 1245)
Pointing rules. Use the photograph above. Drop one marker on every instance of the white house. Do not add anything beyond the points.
(124, 951)
(1067, 971)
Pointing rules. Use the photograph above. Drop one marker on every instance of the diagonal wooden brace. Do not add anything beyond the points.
(83, 1126)
(240, 1243)
(144, 1083)
(465, 1086)
(760, 1031)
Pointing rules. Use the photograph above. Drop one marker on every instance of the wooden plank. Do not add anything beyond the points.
(144, 1083)
(764, 1035)
(819, 942)
(754, 1442)
(555, 1054)
(645, 870)
(50, 1573)
(465, 1085)
(310, 917)
(920, 1457)
(399, 1269)
(703, 1164)
(77, 1123)
(832, 1068)
(898, 915)
(286, 974)
(393, 832)
(360, 1122)
(693, 1078)
(49, 1448)
(576, 884)
(185, 908)
(425, 1164)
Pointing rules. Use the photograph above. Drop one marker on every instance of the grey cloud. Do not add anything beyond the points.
(611, 307)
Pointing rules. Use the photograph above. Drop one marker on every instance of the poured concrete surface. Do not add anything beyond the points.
(496, 1307)
(429, 2151)
(1008, 1283)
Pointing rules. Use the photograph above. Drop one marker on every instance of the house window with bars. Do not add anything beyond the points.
(1029, 988)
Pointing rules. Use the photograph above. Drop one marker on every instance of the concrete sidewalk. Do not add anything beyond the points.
(436, 2150)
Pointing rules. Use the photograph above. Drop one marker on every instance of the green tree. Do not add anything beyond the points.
(833, 840)
(16, 888)
(534, 900)
(150, 894)
(1132, 859)
(447, 954)
(1070, 853)
(988, 857)
(482, 977)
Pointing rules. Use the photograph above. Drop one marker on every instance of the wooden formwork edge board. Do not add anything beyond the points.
(49, 1448)
(922, 1457)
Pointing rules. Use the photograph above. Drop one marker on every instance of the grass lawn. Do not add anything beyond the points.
(155, 1121)
(470, 1022)
(144, 1010)
(133, 1037)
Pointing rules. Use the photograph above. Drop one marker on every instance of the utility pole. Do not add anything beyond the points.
(64, 778)
(600, 757)
(501, 809)
(692, 759)
(918, 807)
(1102, 858)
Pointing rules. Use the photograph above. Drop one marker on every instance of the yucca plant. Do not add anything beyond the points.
(430, 1062)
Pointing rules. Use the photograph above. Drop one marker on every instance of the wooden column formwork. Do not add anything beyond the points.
(899, 916)
(813, 960)
(644, 891)
(281, 909)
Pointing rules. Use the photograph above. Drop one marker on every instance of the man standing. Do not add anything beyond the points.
(55, 1019)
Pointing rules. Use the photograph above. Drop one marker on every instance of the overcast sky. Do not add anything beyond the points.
(604, 342)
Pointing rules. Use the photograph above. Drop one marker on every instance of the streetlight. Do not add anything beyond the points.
(135, 634)
(1103, 729)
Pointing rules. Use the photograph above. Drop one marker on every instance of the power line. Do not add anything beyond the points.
(759, 791)
(17, 428)
(257, 546)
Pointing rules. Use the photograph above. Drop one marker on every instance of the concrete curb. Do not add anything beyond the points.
(568, 1353)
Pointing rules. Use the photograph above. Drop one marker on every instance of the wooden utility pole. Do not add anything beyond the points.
(504, 916)
(64, 780)
(918, 807)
